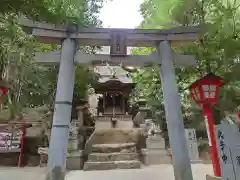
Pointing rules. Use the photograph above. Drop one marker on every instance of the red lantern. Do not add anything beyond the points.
(4, 87)
(3, 91)
(205, 90)
(239, 116)
(205, 93)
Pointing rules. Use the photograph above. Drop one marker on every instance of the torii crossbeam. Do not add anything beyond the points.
(118, 39)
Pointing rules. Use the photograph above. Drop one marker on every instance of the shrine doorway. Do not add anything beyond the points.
(113, 103)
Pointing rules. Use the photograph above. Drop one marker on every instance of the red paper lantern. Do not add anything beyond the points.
(3, 91)
(4, 87)
(238, 116)
(205, 93)
(205, 90)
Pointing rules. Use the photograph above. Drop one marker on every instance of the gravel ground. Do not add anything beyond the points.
(156, 172)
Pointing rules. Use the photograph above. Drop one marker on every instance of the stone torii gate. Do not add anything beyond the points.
(118, 39)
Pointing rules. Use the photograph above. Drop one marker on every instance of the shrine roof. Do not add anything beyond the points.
(122, 79)
(106, 74)
(108, 71)
(112, 73)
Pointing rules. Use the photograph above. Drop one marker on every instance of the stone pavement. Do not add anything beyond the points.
(156, 172)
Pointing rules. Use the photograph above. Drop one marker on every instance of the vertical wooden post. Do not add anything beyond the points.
(123, 104)
(212, 140)
(20, 159)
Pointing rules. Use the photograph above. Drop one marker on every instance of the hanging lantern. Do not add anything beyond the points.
(205, 90)
(205, 93)
(238, 116)
(4, 87)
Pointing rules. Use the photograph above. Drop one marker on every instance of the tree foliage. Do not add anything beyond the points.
(32, 84)
(216, 51)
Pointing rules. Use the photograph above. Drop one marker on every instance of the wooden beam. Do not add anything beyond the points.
(50, 58)
(98, 38)
(129, 60)
(99, 59)
(176, 30)
(182, 60)
(23, 21)
(48, 33)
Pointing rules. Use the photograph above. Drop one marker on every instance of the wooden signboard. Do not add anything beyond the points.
(228, 145)
(10, 142)
(118, 44)
(192, 144)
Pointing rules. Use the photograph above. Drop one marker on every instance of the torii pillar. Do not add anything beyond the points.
(104, 37)
(62, 112)
(176, 132)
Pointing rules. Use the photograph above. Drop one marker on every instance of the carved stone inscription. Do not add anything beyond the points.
(118, 45)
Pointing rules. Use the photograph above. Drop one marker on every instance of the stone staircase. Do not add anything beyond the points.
(113, 156)
(113, 149)
(119, 147)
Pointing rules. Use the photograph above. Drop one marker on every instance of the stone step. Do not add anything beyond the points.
(109, 165)
(116, 156)
(108, 148)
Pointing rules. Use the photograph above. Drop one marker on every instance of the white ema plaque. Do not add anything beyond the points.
(227, 139)
(192, 144)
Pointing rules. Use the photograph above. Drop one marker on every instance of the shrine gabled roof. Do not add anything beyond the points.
(106, 74)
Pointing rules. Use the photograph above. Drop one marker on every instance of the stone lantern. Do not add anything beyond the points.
(142, 112)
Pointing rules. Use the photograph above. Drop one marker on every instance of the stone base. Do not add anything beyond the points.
(115, 136)
(9, 159)
(108, 148)
(74, 160)
(210, 177)
(153, 157)
(108, 165)
(112, 156)
(33, 160)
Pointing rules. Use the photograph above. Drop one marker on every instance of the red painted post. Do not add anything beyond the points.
(22, 145)
(238, 116)
(212, 140)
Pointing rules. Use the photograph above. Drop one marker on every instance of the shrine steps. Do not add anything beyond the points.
(110, 165)
(108, 148)
(112, 156)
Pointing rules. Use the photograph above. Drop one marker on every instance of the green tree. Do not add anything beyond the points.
(34, 85)
(216, 51)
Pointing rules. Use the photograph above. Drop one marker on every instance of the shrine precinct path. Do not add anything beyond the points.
(156, 172)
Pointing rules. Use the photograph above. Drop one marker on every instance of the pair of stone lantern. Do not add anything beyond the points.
(205, 93)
